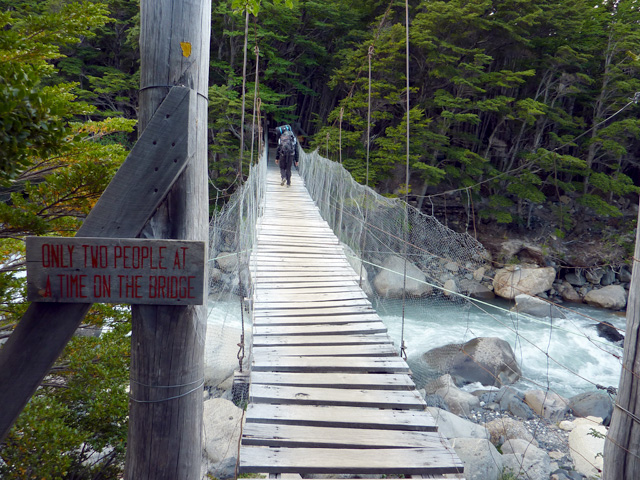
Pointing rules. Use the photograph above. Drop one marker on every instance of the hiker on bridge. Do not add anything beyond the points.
(286, 155)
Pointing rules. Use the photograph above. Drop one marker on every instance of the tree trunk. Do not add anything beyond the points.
(621, 447)
(167, 343)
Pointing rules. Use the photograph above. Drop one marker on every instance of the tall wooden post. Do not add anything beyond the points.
(167, 344)
(621, 458)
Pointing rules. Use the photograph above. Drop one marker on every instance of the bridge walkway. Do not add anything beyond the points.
(329, 393)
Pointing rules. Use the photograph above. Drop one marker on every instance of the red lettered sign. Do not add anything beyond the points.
(114, 270)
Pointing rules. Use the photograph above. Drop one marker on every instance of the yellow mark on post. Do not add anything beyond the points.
(186, 48)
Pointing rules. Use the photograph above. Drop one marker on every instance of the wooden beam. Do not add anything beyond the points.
(122, 211)
(167, 343)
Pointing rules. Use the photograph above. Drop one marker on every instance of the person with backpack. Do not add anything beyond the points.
(286, 155)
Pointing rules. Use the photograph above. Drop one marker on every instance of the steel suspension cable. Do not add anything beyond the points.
(405, 230)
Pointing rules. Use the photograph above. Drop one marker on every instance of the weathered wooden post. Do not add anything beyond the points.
(621, 458)
(167, 344)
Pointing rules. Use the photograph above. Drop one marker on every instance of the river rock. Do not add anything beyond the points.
(575, 278)
(452, 426)
(585, 447)
(609, 332)
(625, 275)
(613, 297)
(481, 459)
(474, 289)
(507, 428)
(487, 360)
(450, 289)
(592, 404)
(525, 460)
(547, 404)
(514, 280)
(389, 281)
(536, 307)
(510, 400)
(458, 401)
(608, 278)
(594, 275)
(222, 424)
(569, 293)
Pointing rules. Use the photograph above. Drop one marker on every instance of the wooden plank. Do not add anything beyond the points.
(370, 381)
(345, 417)
(322, 329)
(268, 290)
(304, 307)
(324, 437)
(122, 211)
(339, 397)
(314, 311)
(349, 461)
(320, 340)
(328, 364)
(293, 319)
(360, 350)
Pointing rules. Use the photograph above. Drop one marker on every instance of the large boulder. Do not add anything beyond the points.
(458, 402)
(569, 293)
(613, 297)
(227, 262)
(452, 426)
(222, 422)
(609, 332)
(536, 307)
(592, 404)
(586, 447)
(220, 353)
(514, 280)
(481, 459)
(525, 461)
(487, 360)
(389, 282)
(547, 404)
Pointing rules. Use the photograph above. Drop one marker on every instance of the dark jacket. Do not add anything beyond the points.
(285, 161)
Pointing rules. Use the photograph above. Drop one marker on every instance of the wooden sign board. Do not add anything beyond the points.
(115, 270)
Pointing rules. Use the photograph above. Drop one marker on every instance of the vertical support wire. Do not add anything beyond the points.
(405, 230)
(364, 196)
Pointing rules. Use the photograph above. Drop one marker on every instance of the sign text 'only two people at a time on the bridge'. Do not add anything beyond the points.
(114, 270)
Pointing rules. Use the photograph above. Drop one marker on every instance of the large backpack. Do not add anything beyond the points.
(287, 143)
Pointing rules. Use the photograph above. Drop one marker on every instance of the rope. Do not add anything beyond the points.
(169, 398)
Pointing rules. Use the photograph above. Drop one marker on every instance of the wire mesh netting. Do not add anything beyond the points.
(428, 283)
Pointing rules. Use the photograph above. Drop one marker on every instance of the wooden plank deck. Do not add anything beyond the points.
(329, 393)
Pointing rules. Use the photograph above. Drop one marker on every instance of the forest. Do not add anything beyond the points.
(523, 120)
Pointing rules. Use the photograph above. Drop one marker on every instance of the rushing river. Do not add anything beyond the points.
(566, 355)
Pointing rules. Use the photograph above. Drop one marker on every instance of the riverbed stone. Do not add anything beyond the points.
(356, 264)
(547, 404)
(511, 400)
(481, 459)
(507, 428)
(222, 424)
(525, 460)
(487, 360)
(227, 262)
(389, 282)
(608, 331)
(575, 278)
(585, 447)
(536, 307)
(613, 297)
(569, 293)
(474, 289)
(592, 404)
(452, 426)
(515, 280)
(458, 401)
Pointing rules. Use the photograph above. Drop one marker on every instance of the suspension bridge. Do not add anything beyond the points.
(329, 392)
